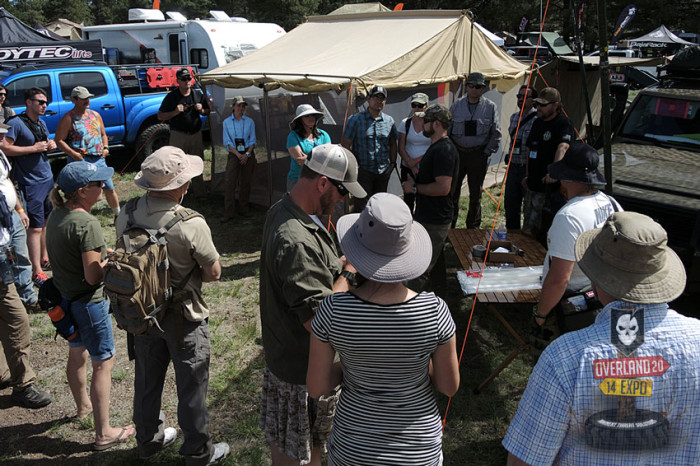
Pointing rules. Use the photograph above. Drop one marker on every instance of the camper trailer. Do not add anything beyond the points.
(208, 43)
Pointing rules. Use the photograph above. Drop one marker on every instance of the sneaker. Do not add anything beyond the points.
(31, 397)
(221, 451)
(39, 278)
(45, 264)
(169, 436)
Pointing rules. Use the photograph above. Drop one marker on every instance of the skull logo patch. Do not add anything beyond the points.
(627, 328)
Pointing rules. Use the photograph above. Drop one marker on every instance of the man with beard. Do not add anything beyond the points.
(300, 266)
(372, 136)
(549, 139)
(434, 188)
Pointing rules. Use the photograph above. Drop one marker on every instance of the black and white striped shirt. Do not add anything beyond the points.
(387, 412)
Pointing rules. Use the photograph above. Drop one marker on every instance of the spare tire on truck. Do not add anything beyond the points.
(151, 139)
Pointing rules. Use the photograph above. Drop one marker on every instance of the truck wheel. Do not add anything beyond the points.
(151, 139)
(648, 430)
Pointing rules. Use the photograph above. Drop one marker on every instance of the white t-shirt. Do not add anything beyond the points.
(580, 214)
(416, 143)
(8, 190)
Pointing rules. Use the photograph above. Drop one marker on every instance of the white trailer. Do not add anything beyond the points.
(207, 43)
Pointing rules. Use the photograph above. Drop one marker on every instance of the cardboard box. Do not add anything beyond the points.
(501, 256)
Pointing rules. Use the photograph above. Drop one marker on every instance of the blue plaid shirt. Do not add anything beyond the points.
(562, 393)
(370, 140)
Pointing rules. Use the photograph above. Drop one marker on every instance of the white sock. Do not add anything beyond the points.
(116, 210)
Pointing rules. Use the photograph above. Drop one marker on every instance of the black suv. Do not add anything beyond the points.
(656, 162)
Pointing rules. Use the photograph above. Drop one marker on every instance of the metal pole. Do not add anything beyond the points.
(582, 67)
(605, 91)
(268, 143)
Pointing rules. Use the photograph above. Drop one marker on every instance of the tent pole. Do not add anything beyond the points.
(605, 91)
(579, 48)
(268, 143)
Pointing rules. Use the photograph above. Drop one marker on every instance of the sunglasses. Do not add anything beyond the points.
(40, 102)
(475, 86)
(428, 120)
(185, 79)
(342, 190)
(417, 105)
(3, 94)
(541, 105)
(521, 96)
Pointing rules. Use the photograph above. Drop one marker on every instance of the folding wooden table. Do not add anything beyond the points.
(463, 240)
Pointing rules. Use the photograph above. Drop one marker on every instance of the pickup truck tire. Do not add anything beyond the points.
(151, 139)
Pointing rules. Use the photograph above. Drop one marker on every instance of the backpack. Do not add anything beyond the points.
(137, 274)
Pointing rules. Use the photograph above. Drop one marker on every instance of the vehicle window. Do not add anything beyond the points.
(93, 81)
(662, 116)
(174, 46)
(15, 89)
(200, 57)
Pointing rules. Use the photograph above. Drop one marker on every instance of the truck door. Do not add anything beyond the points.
(177, 43)
(107, 102)
(15, 96)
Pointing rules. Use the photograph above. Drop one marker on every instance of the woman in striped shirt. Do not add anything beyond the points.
(395, 345)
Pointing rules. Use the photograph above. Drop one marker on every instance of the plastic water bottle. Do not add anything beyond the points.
(502, 232)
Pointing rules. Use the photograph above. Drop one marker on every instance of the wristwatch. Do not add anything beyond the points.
(535, 313)
(349, 276)
(415, 188)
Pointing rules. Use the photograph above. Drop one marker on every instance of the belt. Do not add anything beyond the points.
(519, 165)
(474, 149)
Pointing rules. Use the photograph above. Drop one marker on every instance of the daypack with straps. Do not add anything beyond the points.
(137, 275)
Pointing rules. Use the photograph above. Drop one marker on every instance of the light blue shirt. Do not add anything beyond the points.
(239, 129)
(563, 392)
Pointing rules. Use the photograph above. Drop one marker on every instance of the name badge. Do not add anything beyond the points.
(533, 154)
(516, 151)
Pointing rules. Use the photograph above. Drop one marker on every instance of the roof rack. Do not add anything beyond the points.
(20, 66)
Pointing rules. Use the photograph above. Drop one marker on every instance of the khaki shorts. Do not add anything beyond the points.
(293, 421)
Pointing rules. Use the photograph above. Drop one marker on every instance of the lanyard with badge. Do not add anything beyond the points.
(239, 142)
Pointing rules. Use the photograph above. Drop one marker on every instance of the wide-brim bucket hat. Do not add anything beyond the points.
(168, 168)
(383, 242)
(305, 110)
(629, 259)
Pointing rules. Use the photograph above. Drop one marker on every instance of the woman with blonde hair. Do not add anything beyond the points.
(78, 252)
(395, 345)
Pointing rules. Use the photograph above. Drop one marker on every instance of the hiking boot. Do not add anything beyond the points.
(169, 436)
(39, 278)
(33, 307)
(31, 397)
(221, 451)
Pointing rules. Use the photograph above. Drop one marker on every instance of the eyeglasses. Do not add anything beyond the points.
(3, 94)
(475, 86)
(417, 105)
(342, 190)
(40, 102)
(537, 104)
(185, 79)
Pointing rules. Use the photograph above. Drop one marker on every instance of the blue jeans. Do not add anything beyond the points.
(23, 268)
(515, 194)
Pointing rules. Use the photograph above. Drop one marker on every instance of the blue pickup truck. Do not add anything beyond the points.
(127, 97)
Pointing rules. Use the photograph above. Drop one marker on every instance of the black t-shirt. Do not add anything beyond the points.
(187, 121)
(545, 137)
(441, 159)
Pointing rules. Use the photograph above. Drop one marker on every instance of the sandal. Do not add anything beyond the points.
(121, 438)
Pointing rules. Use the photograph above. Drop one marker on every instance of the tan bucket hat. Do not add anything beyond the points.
(628, 259)
(168, 168)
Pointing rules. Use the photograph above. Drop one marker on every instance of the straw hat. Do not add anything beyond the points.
(383, 242)
(168, 168)
(628, 259)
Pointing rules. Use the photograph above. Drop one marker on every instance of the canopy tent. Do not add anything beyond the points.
(359, 8)
(430, 50)
(14, 30)
(426, 47)
(494, 38)
(659, 37)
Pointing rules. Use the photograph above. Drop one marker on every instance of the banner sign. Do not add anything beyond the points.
(50, 51)
(623, 21)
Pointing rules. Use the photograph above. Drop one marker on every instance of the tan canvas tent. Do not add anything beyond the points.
(396, 49)
(335, 59)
